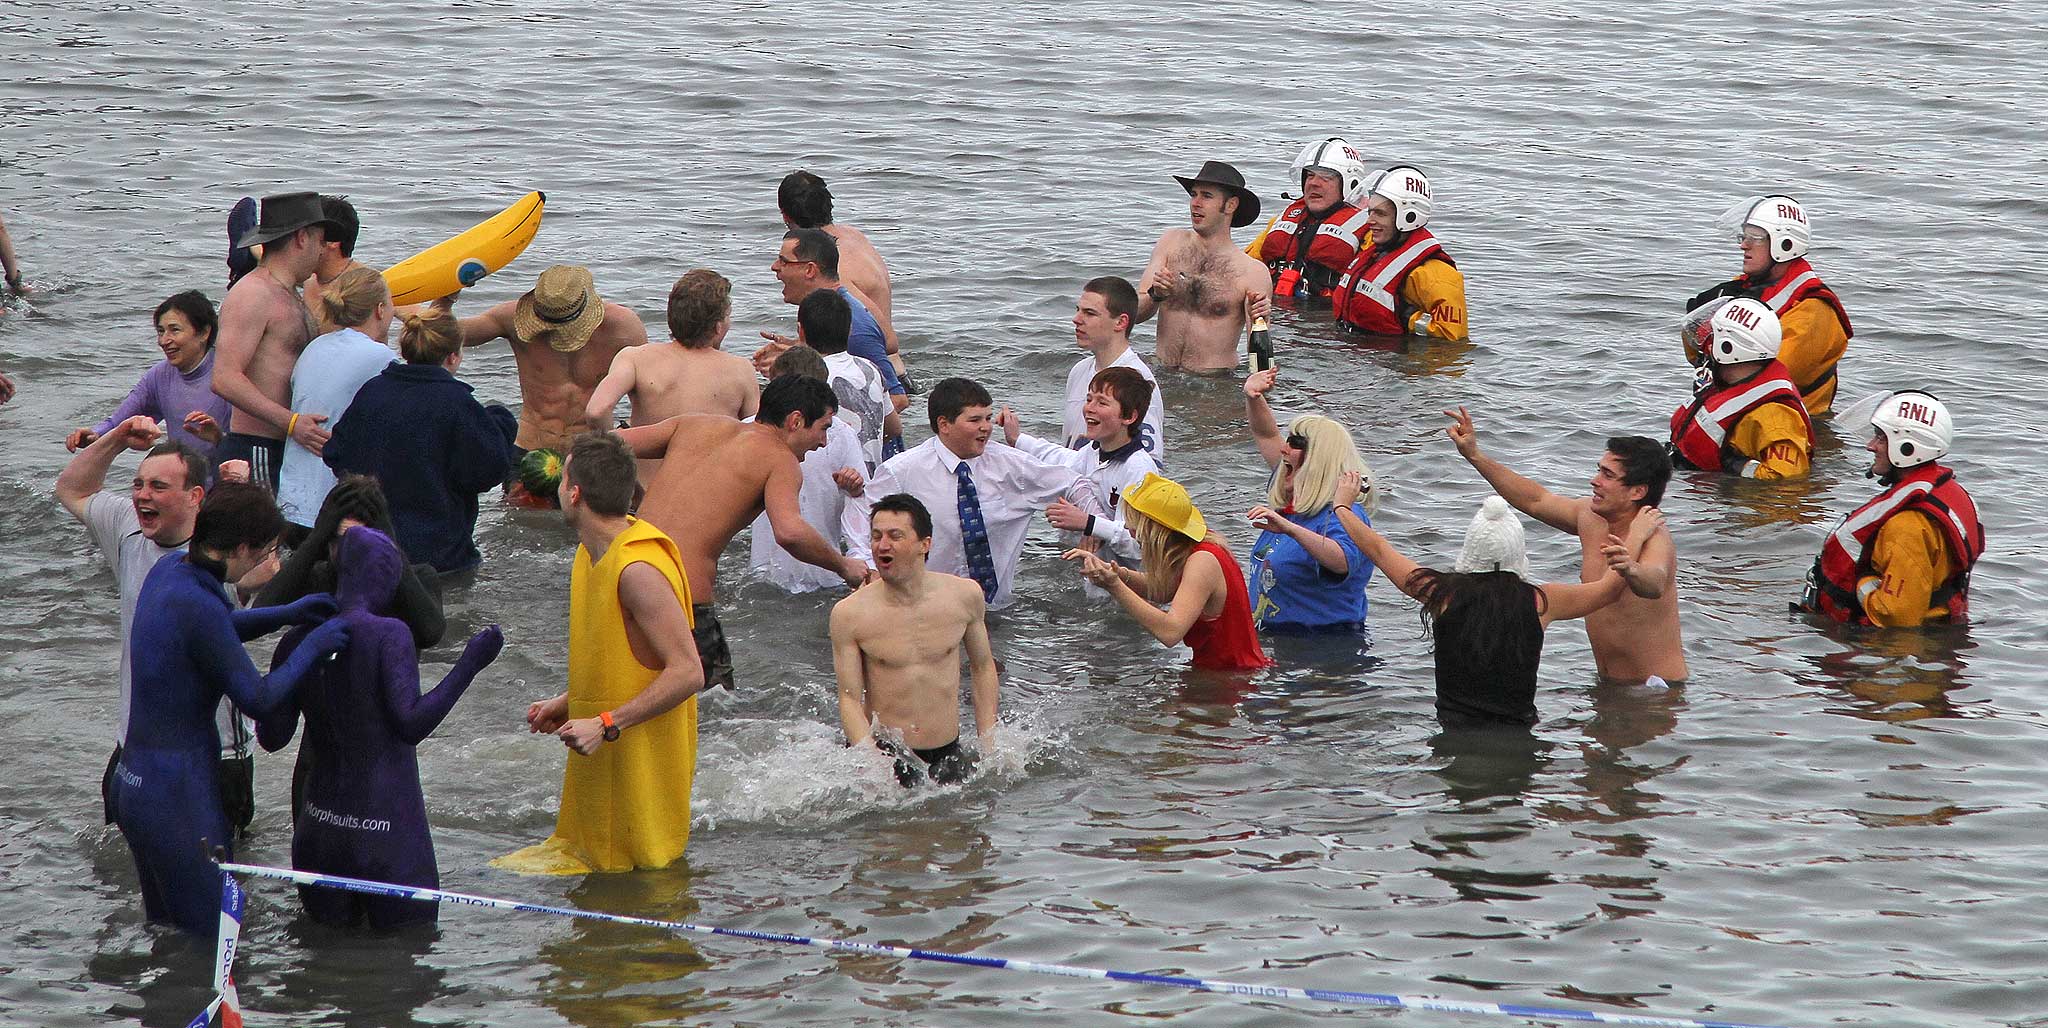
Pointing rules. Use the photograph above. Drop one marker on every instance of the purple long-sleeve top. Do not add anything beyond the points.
(167, 394)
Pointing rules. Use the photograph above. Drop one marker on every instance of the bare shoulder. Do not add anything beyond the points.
(1251, 269)
(849, 614)
(966, 594)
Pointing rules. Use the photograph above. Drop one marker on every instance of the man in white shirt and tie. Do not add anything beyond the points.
(982, 497)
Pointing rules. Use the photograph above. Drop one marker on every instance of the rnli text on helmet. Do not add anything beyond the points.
(1742, 316)
(1919, 412)
(1417, 185)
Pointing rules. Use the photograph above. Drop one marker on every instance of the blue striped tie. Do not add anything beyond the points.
(981, 565)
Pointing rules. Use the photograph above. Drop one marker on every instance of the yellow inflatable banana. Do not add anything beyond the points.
(463, 261)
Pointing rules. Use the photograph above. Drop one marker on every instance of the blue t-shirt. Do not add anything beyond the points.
(1291, 591)
(864, 339)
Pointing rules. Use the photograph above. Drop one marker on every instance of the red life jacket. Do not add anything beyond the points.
(1845, 558)
(1700, 429)
(1796, 281)
(1368, 297)
(1335, 240)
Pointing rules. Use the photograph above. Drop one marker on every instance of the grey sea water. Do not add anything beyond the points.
(1818, 829)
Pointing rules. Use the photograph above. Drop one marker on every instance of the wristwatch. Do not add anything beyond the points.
(611, 731)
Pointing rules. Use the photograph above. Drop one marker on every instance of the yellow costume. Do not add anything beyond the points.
(1438, 289)
(627, 805)
(1774, 436)
(1910, 557)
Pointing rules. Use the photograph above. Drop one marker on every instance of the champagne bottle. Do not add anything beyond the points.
(1261, 345)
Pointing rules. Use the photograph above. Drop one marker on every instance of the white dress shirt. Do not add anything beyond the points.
(1111, 473)
(1012, 486)
(821, 501)
(1151, 430)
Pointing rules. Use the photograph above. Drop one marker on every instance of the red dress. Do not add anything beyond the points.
(1227, 642)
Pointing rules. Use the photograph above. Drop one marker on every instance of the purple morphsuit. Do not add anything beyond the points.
(364, 815)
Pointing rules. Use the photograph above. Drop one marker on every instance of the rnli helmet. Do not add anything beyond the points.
(1916, 428)
(1743, 330)
(1336, 156)
(1408, 190)
(1780, 218)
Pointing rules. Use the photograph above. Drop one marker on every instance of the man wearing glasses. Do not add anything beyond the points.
(808, 262)
(1774, 236)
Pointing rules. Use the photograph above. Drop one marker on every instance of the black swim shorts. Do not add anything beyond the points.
(265, 456)
(712, 650)
(945, 765)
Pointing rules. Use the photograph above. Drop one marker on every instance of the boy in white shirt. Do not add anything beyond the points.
(1102, 326)
(1111, 456)
(824, 323)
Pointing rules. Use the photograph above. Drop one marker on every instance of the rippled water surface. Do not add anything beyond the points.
(1818, 829)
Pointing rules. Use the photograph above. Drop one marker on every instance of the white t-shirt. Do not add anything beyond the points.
(822, 503)
(326, 378)
(110, 520)
(863, 402)
(1151, 430)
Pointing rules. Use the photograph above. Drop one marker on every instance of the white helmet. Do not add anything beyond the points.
(1336, 155)
(1408, 190)
(1781, 219)
(1916, 428)
(1743, 330)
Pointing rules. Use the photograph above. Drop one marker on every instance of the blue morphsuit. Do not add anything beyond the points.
(186, 652)
(363, 813)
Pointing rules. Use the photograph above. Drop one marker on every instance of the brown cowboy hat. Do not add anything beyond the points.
(562, 310)
(283, 215)
(1217, 173)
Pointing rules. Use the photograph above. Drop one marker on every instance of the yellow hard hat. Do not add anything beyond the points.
(1163, 500)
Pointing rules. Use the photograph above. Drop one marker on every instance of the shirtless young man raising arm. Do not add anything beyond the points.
(896, 650)
(564, 338)
(1204, 288)
(263, 329)
(1637, 636)
(689, 374)
(717, 474)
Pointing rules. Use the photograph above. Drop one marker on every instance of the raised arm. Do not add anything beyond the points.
(1156, 274)
(652, 604)
(1397, 568)
(1565, 601)
(649, 442)
(86, 474)
(413, 716)
(221, 654)
(277, 729)
(1522, 494)
(851, 670)
(1259, 414)
(257, 622)
(495, 323)
(604, 400)
(1201, 577)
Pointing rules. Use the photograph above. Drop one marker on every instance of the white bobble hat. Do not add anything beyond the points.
(1494, 542)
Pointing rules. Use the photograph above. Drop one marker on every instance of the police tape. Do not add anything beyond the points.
(1331, 996)
(225, 1002)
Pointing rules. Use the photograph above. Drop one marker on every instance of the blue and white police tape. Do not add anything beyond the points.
(225, 1002)
(1342, 998)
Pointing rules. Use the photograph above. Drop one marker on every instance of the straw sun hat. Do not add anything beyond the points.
(562, 310)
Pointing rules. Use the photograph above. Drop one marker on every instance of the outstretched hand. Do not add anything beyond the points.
(1649, 520)
(1462, 433)
(1066, 516)
(546, 716)
(329, 638)
(1093, 568)
(202, 425)
(1620, 559)
(484, 647)
(1349, 485)
(1007, 420)
(1259, 382)
(312, 608)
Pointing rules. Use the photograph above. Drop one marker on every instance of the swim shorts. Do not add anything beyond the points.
(711, 646)
(945, 765)
(265, 456)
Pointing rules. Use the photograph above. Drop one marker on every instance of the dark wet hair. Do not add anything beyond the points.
(800, 360)
(1118, 295)
(197, 468)
(811, 397)
(816, 244)
(827, 320)
(343, 225)
(1644, 462)
(602, 465)
(904, 503)
(953, 395)
(696, 304)
(1491, 602)
(196, 308)
(1133, 393)
(804, 200)
(358, 497)
(237, 514)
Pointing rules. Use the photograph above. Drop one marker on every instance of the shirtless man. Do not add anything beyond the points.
(337, 253)
(1635, 638)
(717, 474)
(1206, 288)
(564, 338)
(806, 203)
(896, 651)
(263, 327)
(689, 374)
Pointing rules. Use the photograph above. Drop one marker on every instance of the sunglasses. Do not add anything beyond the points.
(1298, 441)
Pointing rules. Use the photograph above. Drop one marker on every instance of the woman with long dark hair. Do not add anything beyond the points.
(1485, 617)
